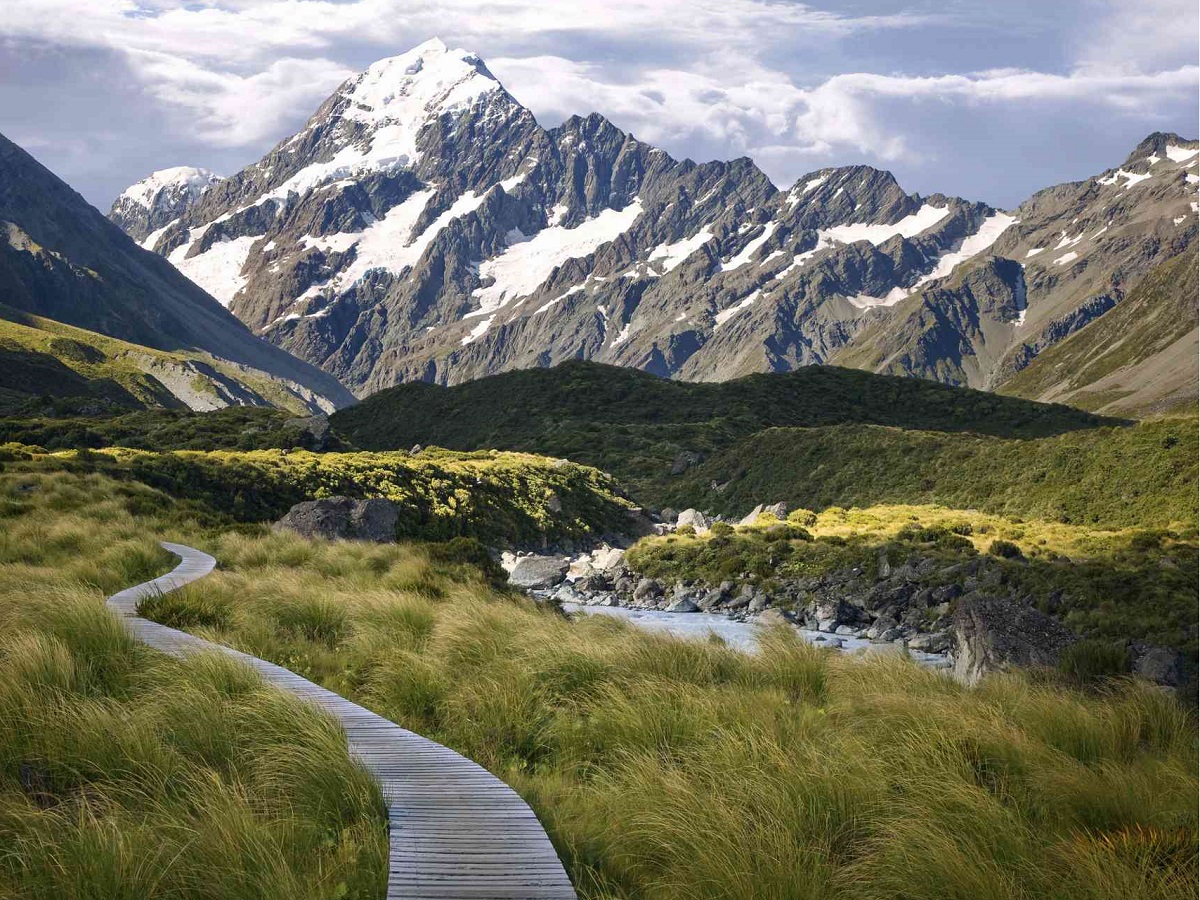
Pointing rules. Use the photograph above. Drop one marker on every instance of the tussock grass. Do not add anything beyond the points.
(125, 773)
(672, 770)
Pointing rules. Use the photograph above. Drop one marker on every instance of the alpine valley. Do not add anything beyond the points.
(424, 226)
(447, 506)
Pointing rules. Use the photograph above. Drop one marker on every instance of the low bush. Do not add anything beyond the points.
(1005, 550)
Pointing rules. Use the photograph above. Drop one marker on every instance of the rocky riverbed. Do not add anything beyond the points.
(599, 582)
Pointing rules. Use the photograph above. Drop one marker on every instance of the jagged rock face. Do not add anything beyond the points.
(343, 518)
(1080, 249)
(995, 633)
(423, 226)
(159, 199)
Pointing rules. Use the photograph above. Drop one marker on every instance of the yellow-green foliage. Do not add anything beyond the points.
(501, 497)
(1114, 584)
(128, 774)
(42, 357)
(1104, 477)
(674, 770)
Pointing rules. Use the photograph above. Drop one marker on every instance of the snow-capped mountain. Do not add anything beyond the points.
(159, 199)
(423, 225)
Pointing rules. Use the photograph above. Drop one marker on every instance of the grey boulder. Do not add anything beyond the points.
(534, 573)
(343, 518)
(992, 634)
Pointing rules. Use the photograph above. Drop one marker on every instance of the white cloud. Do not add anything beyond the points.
(843, 110)
(228, 109)
(707, 78)
(1139, 37)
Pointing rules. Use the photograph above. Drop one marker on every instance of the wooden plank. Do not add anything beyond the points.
(457, 831)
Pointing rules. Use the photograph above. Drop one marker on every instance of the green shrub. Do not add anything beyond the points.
(686, 531)
(805, 518)
(1005, 550)
(195, 606)
(720, 529)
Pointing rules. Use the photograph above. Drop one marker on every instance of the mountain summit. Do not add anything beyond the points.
(423, 225)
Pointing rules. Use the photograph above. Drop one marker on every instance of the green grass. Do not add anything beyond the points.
(634, 425)
(1145, 475)
(125, 773)
(671, 770)
(233, 428)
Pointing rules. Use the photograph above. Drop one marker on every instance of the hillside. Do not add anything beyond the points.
(640, 427)
(61, 260)
(1140, 358)
(1145, 475)
(502, 498)
(42, 360)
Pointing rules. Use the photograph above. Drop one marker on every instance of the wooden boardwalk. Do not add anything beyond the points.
(456, 831)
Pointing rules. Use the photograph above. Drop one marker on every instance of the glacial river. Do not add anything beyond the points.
(742, 635)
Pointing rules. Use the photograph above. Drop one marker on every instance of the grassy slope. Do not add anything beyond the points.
(634, 424)
(1111, 477)
(1140, 357)
(40, 357)
(668, 770)
(232, 428)
(125, 773)
(498, 497)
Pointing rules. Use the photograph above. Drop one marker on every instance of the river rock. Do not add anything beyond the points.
(607, 559)
(683, 605)
(685, 460)
(342, 518)
(933, 642)
(537, 572)
(1161, 665)
(775, 616)
(994, 633)
(647, 590)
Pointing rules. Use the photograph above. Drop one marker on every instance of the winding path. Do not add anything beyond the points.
(456, 831)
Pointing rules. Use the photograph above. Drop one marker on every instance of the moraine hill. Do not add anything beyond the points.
(648, 430)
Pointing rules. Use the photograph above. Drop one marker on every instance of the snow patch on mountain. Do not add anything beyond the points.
(1131, 178)
(1178, 154)
(529, 261)
(891, 298)
(989, 232)
(672, 255)
(726, 314)
(749, 250)
(910, 226)
(219, 269)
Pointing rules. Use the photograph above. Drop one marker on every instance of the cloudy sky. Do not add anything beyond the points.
(987, 99)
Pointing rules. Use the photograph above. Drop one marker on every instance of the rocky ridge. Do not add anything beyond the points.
(159, 199)
(423, 226)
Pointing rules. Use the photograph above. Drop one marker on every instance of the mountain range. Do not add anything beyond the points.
(424, 226)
